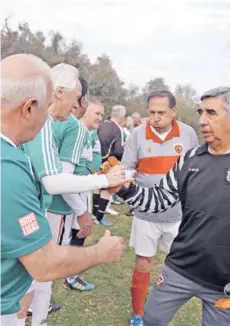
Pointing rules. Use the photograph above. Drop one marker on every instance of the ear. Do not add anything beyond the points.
(59, 93)
(174, 111)
(27, 107)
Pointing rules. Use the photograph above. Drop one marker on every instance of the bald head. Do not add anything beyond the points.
(23, 76)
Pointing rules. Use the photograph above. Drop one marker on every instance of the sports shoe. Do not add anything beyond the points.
(95, 219)
(115, 202)
(111, 212)
(79, 285)
(105, 222)
(136, 320)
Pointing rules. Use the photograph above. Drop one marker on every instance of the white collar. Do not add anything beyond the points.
(8, 140)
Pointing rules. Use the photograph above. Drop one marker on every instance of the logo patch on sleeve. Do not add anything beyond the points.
(29, 224)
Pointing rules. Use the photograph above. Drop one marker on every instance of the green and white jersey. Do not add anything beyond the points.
(24, 228)
(96, 162)
(43, 153)
(71, 138)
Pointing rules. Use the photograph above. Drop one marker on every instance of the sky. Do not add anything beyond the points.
(183, 41)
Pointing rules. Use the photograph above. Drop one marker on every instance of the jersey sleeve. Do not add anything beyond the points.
(158, 198)
(43, 153)
(129, 159)
(73, 143)
(24, 227)
(97, 157)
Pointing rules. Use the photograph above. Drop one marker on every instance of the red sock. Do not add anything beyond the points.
(139, 288)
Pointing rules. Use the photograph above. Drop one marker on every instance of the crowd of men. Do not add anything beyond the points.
(54, 144)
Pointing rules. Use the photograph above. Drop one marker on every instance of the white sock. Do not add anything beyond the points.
(40, 303)
(71, 279)
(21, 322)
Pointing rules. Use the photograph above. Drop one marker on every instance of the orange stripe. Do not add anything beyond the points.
(175, 132)
(60, 229)
(156, 165)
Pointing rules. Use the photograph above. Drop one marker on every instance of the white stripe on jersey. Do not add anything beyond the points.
(79, 143)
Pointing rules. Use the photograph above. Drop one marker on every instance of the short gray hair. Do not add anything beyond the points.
(18, 91)
(118, 111)
(223, 92)
(65, 76)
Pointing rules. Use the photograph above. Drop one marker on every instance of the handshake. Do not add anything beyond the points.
(116, 174)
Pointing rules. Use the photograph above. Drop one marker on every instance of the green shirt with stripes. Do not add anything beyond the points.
(43, 153)
(71, 139)
(24, 227)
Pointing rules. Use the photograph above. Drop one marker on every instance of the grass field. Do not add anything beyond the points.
(109, 303)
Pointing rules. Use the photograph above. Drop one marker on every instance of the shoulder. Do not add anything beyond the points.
(138, 131)
(185, 127)
(14, 162)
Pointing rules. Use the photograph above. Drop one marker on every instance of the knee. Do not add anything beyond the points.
(151, 318)
(144, 264)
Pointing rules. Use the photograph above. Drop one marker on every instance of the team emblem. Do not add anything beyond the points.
(178, 148)
(228, 175)
(161, 280)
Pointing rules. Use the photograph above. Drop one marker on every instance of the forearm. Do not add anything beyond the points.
(149, 200)
(66, 183)
(76, 203)
(58, 262)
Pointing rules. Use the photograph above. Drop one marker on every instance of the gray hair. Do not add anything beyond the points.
(223, 92)
(118, 111)
(18, 91)
(64, 76)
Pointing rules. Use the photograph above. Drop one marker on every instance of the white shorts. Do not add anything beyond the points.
(32, 287)
(60, 227)
(8, 320)
(146, 236)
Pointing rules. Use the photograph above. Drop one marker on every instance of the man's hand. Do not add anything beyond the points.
(110, 248)
(85, 222)
(116, 176)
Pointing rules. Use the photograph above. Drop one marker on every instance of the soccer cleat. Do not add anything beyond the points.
(136, 320)
(53, 307)
(111, 212)
(105, 222)
(79, 285)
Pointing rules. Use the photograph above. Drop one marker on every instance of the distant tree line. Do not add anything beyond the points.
(103, 79)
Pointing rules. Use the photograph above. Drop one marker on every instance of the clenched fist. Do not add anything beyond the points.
(110, 248)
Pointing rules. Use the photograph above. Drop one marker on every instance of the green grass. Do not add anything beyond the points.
(109, 303)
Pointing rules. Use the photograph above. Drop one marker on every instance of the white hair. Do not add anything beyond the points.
(18, 91)
(118, 111)
(223, 92)
(65, 76)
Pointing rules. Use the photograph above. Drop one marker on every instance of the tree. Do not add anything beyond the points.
(155, 84)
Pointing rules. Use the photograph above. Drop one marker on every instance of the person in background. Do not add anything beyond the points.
(111, 137)
(152, 149)
(136, 119)
(90, 162)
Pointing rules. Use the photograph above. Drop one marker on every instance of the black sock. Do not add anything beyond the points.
(103, 203)
(96, 200)
(75, 241)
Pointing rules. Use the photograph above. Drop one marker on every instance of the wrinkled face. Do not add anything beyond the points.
(34, 115)
(214, 120)
(160, 113)
(67, 101)
(94, 116)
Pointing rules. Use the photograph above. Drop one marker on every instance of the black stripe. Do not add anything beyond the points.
(160, 199)
(63, 231)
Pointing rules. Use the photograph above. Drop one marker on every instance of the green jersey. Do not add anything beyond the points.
(42, 151)
(24, 228)
(71, 138)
